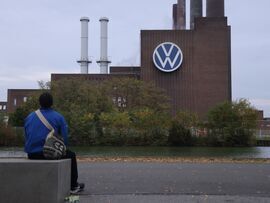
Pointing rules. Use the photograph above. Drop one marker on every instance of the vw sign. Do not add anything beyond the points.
(167, 57)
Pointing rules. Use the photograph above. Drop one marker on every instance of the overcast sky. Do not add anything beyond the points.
(40, 37)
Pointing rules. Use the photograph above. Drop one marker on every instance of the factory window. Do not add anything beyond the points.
(24, 99)
(4, 107)
(121, 102)
(124, 102)
(15, 102)
(0, 107)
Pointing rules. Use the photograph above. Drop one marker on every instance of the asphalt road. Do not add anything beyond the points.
(167, 182)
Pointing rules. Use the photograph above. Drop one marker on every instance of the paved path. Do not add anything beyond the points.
(174, 182)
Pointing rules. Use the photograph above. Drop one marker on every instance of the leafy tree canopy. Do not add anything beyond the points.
(233, 123)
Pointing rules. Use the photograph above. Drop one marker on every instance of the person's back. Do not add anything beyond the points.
(36, 133)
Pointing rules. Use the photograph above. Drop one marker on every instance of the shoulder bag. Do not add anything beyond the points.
(54, 147)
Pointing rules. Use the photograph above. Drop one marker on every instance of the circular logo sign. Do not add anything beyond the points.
(167, 57)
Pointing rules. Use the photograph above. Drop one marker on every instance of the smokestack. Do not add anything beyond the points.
(181, 15)
(195, 11)
(104, 62)
(84, 45)
(174, 16)
(215, 8)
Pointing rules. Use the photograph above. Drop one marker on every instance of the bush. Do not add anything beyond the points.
(141, 127)
(17, 118)
(182, 127)
(180, 136)
(10, 137)
(115, 127)
(151, 125)
(232, 124)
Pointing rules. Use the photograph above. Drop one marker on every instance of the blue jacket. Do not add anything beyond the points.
(36, 132)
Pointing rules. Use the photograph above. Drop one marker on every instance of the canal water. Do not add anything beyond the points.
(244, 152)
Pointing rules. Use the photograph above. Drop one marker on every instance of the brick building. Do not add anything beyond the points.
(192, 65)
(203, 79)
(3, 107)
(16, 97)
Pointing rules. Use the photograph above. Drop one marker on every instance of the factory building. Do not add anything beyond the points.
(193, 65)
(203, 78)
(3, 107)
(16, 97)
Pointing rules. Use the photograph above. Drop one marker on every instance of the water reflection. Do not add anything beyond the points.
(12, 152)
(248, 152)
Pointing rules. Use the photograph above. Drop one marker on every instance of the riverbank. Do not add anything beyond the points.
(159, 154)
(199, 160)
(175, 160)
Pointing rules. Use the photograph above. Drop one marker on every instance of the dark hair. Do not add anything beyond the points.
(45, 100)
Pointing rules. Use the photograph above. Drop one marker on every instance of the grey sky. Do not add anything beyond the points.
(39, 37)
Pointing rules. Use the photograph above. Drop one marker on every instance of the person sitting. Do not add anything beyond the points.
(36, 133)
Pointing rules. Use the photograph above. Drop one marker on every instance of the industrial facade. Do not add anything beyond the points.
(192, 65)
(16, 97)
(3, 107)
(204, 78)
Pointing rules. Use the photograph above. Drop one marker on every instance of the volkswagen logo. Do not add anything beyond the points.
(167, 57)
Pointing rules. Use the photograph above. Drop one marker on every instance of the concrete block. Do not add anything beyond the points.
(34, 181)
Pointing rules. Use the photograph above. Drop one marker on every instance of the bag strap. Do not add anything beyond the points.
(43, 120)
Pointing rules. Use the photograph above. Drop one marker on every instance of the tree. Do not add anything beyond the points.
(179, 135)
(130, 94)
(17, 118)
(81, 103)
(3, 119)
(152, 126)
(115, 127)
(117, 111)
(232, 124)
(187, 119)
(144, 107)
(44, 85)
(182, 127)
